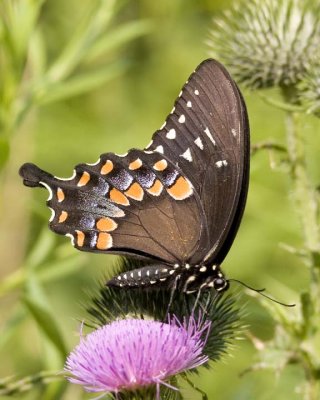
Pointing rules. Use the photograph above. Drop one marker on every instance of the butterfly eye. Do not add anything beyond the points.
(220, 284)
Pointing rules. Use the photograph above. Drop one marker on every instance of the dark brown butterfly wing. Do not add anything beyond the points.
(138, 204)
(207, 135)
(179, 201)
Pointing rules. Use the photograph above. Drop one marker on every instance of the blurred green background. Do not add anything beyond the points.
(39, 268)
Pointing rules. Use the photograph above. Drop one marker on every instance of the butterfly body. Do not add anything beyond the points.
(185, 278)
(177, 203)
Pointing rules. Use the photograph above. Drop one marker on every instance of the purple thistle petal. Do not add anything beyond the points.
(133, 353)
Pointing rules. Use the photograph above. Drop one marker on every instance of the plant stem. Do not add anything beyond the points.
(305, 196)
(306, 203)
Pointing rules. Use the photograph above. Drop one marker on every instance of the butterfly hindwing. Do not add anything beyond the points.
(138, 204)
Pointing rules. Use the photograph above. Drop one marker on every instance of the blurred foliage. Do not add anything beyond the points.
(82, 78)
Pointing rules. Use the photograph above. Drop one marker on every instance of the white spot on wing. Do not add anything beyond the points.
(234, 132)
(220, 163)
(196, 92)
(53, 214)
(171, 134)
(67, 179)
(48, 188)
(180, 94)
(203, 269)
(149, 145)
(71, 238)
(199, 143)
(173, 110)
(187, 155)
(189, 104)
(96, 163)
(159, 149)
(182, 119)
(122, 155)
(208, 133)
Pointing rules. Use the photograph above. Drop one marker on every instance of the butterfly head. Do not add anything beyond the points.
(219, 281)
(221, 284)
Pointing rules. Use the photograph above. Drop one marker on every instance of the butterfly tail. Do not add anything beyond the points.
(33, 176)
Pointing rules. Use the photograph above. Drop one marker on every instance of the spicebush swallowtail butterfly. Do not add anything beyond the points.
(178, 203)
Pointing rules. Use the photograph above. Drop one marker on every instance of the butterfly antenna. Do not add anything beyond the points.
(260, 291)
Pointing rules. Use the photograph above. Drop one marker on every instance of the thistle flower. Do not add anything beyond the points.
(309, 90)
(269, 43)
(131, 354)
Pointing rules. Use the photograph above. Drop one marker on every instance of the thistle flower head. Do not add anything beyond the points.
(309, 89)
(269, 43)
(133, 353)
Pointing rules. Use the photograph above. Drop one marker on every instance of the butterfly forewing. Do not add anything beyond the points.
(207, 135)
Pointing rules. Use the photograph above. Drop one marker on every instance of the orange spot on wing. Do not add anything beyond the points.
(104, 241)
(135, 164)
(135, 191)
(107, 167)
(106, 224)
(181, 189)
(63, 216)
(85, 178)
(60, 195)
(160, 165)
(118, 197)
(156, 188)
(80, 238)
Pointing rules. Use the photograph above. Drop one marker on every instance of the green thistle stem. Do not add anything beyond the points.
(307, 207)
(304, 194)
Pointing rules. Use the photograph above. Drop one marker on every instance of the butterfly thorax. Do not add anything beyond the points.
(186, 278)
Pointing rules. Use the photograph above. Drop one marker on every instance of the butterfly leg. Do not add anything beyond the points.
(196, 301)
(172, 292)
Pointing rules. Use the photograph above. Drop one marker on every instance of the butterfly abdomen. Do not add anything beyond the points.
(154, 275)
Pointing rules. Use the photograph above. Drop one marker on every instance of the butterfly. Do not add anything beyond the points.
(177, 204)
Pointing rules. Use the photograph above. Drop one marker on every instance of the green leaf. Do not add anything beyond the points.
(41, 249)
(36, 303)
(61, 268)
(81, 84)
(118, 37)
(94, 25)
(10, 327)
